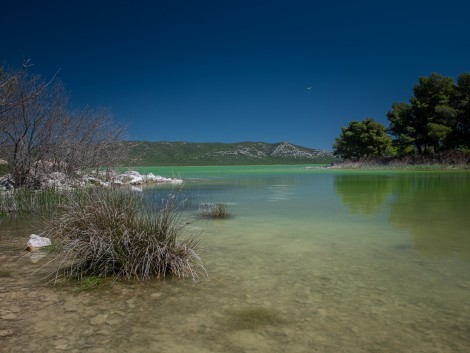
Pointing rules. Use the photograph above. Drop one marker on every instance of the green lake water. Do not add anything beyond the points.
(313, 260)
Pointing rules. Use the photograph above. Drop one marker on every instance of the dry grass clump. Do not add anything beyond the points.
(218, 210)
(117, 233)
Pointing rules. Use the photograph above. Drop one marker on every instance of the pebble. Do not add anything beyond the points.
(70, 308)
(14, 309)
(9, 316)
(6, 333)
(104, 332)
(120, 313)
(250, 341)
(113, 322)
(61, 344)
(99, 319)
(463, 284)
(130, 304)
(96, 350)
(322, 313)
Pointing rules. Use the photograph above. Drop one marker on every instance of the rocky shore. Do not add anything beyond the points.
(59, 180)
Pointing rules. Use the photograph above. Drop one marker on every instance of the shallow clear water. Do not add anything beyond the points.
(313, 260)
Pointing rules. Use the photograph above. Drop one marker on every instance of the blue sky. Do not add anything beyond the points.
(230, 71)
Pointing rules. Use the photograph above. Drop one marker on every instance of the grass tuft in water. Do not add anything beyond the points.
(216, 210)
(118, 234)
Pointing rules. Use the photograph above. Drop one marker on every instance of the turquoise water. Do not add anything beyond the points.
(313, 260)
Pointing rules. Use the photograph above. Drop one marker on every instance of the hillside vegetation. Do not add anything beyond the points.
(242, 153)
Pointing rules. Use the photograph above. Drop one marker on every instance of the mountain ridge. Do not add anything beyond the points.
(145, 153)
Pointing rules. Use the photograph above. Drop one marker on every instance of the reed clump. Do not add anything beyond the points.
(120, 234)
(21, 201)
(216, 210)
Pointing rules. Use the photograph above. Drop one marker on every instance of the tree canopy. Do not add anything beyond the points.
(362, 139)
(436, 119)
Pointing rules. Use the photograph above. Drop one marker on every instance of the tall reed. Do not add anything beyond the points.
(25, 201)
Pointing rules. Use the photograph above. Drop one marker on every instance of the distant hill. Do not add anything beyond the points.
(242, 153)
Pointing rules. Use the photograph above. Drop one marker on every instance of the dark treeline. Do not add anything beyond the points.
(435, 121)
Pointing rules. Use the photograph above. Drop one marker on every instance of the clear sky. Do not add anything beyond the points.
(231, 71)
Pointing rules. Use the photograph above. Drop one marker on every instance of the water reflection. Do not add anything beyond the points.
(433, 206)
(436, 210)
(363, 194)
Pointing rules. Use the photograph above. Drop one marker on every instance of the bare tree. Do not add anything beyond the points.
(38, 134)
(87, 139)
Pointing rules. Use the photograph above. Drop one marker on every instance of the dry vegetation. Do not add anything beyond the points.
(102, 233)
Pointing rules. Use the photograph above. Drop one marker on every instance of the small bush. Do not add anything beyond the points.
(116, 233)
(218, 210)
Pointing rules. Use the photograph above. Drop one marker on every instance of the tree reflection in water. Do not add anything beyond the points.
(435, 207)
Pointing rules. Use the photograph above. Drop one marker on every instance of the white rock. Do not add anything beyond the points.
(57, 176)
(36, 241)
(150, 177)
(132, 173)
(92, 180)
(95, 181)
(137, 180)
(160, 179)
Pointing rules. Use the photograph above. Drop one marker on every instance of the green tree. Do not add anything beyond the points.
(461, 136)
(432, 109)
(401, 126)
(362, 139)
(429, 121)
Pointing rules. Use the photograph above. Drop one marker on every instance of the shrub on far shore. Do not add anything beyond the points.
(118, 234)
(458, 159)
(218, 210)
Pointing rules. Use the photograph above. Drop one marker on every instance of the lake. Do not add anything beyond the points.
(313, 260)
